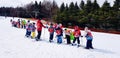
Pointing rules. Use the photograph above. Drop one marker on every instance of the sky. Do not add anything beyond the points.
(16, 3)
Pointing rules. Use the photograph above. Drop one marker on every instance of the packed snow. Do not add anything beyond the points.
(14, 44)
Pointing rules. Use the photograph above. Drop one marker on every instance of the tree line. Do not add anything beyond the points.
(85, 14)
(43, 9)
(90, 14)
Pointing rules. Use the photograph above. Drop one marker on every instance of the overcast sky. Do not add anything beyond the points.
(15, 3)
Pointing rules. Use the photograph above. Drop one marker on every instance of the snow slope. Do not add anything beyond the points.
(13, 44)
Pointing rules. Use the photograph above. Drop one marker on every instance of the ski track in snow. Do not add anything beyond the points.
(13, 44)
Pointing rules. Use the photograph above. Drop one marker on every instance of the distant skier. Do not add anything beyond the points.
(18, 23)
(39, 29)
(51, 31)
(22, 23)
(89, 38)
(14, 23)
(59, 35)
(76, 34)
(11, 22)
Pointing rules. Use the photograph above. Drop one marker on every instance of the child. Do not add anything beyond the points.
(11, 21)
(51, 30)
(59, 35)
(24, 25)
(89, 38)
(18, 23)
(76, 34)
(33, 31)
(67, 35)
(28, 29)
(14, 23)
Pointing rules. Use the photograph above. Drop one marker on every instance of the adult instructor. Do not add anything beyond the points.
(39, 29)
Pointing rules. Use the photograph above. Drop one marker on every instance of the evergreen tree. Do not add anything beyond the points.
(62, 7)
(54, 9)
(72, 8)
(88, 7)
(76, 9)
(66, 8)
(40, 5)
(106, 6)
(95, 5)
(82, 4)
(116, 5)
(36, 6)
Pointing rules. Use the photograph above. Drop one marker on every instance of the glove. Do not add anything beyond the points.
(81, 36)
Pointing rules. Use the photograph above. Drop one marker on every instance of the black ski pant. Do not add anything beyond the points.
(76, 38)
(39, 35)
(89, 44)
(68, 39)
(51, 36)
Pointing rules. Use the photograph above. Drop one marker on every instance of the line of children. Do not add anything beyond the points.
(19, 23)
(75, 35)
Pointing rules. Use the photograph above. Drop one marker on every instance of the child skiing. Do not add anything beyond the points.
(59, 35)
(89, 38)
(28, 29)
(76, 34)
(18, 23)
(33, 31)
(22, 24)
(51, 31)
(67, 35)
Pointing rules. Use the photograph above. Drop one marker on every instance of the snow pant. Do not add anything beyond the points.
(28, 33)
(68, 39)
(51, 36)
(24, 26)
(33, 34)
(21, 26)
(76, 38)
(18, 25)
(15, 25)
(89, 44)
(39, 35)
(59, 39)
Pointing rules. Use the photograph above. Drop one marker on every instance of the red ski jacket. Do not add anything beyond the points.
(39, 25)
(77, 33)
(51, 29)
